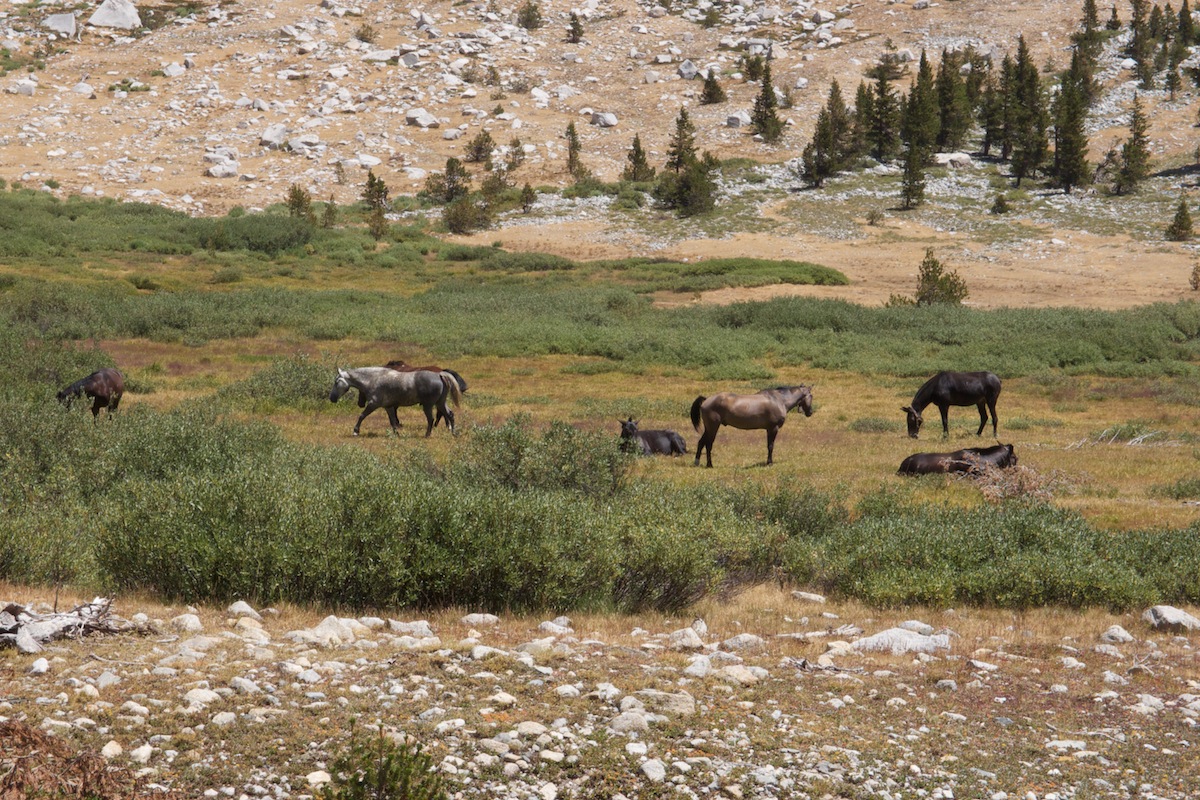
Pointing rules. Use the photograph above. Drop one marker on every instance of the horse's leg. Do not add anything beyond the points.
(710, 435)
(362, 416)
(97, 404)
(428, 409)
(394, 420)
(982, 417)
(991, 404)
(945, 411)
(772, 432)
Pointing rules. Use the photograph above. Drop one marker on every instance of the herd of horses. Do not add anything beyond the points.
(435, 388)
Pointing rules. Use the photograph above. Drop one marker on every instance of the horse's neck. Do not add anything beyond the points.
(924, 396)
(790, 397)
(360, 379)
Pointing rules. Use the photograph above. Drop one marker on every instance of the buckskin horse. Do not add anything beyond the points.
(645, 443)
(968, 461)
(766, 410)
(381, 387)
(104, 386)
(979, 389)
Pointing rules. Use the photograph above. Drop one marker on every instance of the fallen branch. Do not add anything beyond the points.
(28, 631)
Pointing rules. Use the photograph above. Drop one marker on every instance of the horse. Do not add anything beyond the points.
(667, 443)
(969, 461)
(380, 387)
(766, 410)
(400, 366)
(955, 389)
(104, 386)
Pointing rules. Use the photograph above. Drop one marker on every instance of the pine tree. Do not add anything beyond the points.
(1114, 22)
(864, 109)
(574, 147)
(712, 93)
(1173, 83)
(842, 125)
(575, 30)
(1186, 33)
(883, 134)
(638, 170)
(820, 155)
(1141, 46)
(953, 107)
(936, 286)
(329, 215)
(922, 117)
(1070, 137)
(1030, 142)
(1180, 229)
(763, 118)
(448, 186)
(1135, 153)
(1008, 107)
(912, 187)
(691, 191)
(529, 15)
(299, 203)
(1088, 45)
(682, 149)
(375, 192)
(479, 148)
(991, 116)
(528, 198)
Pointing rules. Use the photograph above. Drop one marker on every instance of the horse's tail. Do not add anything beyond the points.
(696, 412)
(451, 384)
(462, 384)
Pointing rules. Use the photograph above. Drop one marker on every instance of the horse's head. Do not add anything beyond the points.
(341, 385)
(1010, 457)
(65, 398)
(806, 401)
(914, 419)
(629, 428)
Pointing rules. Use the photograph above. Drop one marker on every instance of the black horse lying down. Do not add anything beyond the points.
(667, 443)
(971, 460)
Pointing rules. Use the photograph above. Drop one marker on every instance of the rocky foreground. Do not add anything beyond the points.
(792, 700)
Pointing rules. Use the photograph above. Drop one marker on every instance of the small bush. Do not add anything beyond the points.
(228, 275)
(525, 262)
(529, 15)
(873, 425)
(1182, 489)
(380, 769)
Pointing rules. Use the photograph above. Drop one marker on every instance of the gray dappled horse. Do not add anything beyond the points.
(979, 389)
(388, 389)
(766, 410)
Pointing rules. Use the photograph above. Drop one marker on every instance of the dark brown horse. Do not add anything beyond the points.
(979, 389)
(766, 410)
(104, 386)
(969, 461)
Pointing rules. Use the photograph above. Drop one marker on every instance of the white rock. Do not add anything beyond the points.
(111, 750)
(419, 628)
(243, 609)
(685, 639)
(679, 704)
(629, 722)
(141, 755)
(318, 778)
(478, 620)
(1116, 635)
(201, 697)
(224, 719)
(121, 14)
(808, 597)
(738, 119)
(63, 24)
(654, 770)
(916, 626)
(39, 667)
(899, 640)
(604, 119)
(744, 641)
(1169, 618)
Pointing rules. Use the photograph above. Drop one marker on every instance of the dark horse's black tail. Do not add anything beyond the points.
(462, 384)
(696, 412)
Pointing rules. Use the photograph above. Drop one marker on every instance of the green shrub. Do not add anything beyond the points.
(228, 275)
(873, 425)
(380, 769)
(296, 382)
(525, 262)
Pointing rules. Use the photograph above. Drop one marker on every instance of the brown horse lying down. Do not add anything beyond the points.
(971, 460)
(104, 386)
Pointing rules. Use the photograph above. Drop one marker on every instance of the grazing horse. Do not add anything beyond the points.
(969, 461)
(645, 443)
(385, 388)
(105, 386)
(947, 389)
(766, 410)
(400, 366)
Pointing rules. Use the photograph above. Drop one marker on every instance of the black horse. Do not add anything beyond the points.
(105, 387)
(969, 461)
(947, 389)
(645, 443)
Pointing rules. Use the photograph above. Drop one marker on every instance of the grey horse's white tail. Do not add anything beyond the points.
(451, 383)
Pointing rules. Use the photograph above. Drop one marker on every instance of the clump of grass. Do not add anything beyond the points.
(873, 425)
(1182, 489)
(1028, 423)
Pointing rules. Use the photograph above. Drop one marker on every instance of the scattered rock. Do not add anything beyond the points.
(1169, 618)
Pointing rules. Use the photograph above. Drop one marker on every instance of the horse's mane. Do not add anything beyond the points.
(75, 389)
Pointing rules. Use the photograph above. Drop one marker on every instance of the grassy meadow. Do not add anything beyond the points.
(227, 473)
